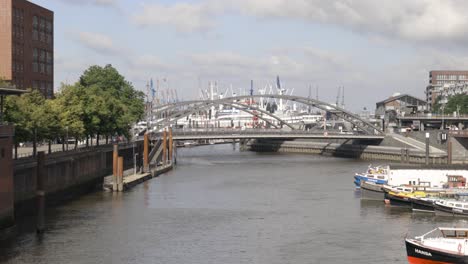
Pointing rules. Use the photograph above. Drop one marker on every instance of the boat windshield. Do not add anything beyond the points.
(455, 233)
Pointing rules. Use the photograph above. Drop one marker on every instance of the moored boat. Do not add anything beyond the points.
(441, 245)
(402, 198)
(420, 204)
(372, 191)
(451, 208)
(378, 175)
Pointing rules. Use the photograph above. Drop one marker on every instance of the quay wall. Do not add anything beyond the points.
(67, 174)
(365, 152)
(6, 177)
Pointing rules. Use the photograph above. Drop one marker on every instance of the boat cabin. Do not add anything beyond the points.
(454, 232)
(455, 181)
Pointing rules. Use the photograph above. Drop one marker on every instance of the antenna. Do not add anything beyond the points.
(310, 88)
(338, 97)
(251, 88)
(342, 98)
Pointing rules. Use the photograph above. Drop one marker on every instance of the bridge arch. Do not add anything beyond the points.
(242, 107)
(354, 119)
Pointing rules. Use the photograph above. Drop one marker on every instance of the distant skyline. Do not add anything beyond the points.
(372, 48)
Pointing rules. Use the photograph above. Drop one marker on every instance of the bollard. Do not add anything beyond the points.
(115, 156)
(407, 155)
(402, 155)
(40, 192)
(164, 159)
(170, 145)
(146, 153)
(120, 175)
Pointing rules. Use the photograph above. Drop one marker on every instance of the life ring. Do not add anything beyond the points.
(459, 247)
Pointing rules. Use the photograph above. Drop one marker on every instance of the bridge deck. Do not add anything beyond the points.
(268, 135)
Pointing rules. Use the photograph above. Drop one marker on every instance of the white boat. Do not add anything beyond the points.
(441, 245)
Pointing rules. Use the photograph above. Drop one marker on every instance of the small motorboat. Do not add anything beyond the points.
(441, 245)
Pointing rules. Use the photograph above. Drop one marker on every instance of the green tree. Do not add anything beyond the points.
(457, 103)
(27, 113)
(437, 107)
(113, 103)
(69, 104)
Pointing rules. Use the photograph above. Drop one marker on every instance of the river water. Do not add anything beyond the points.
(221, 205)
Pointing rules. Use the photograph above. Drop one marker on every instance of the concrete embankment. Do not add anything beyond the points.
(366, 152)
(66, 175)
(51, 179)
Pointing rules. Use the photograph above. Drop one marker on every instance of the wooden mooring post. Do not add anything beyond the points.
(120, 174)
(115, 157)
(40, 192)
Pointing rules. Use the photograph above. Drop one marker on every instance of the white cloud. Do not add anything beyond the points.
(421, 20)
(184, 17)
(98, 42)
(93, 2)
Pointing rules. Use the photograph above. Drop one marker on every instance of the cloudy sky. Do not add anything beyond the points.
(372, 48)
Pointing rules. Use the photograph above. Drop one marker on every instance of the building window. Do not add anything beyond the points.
(42, 29)
(35, 22)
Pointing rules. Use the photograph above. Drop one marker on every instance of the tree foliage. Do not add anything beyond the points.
(102, 102)
(457, 103)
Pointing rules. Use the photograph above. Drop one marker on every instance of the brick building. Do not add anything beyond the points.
(27, 45)
(445, 84)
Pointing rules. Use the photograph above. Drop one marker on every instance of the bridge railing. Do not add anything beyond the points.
(459, 133)
(435, 116)
(199, 132)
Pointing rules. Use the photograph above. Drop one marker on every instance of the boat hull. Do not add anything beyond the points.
(422, 205)
(372, 192)
(398, 200)
(358, 178)
(449, 211)
(418, 254)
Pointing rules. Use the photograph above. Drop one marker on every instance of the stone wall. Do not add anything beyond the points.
(459, 150)
(6, 177)
(68, 174)
(393, 154)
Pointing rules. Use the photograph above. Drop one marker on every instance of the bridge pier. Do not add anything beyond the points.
(243, 144)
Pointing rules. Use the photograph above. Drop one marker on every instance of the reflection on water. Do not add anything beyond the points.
(224, 206)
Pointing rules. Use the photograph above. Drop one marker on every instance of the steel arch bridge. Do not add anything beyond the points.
(175, 111)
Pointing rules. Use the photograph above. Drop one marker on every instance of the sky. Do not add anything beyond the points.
(371, 48)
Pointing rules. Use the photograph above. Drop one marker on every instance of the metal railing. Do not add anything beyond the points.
(461, 133)
(435, 116)
(234, 132)
(83, 148)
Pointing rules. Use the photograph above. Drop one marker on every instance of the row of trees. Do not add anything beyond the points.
(101, 104)
(456, 103)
